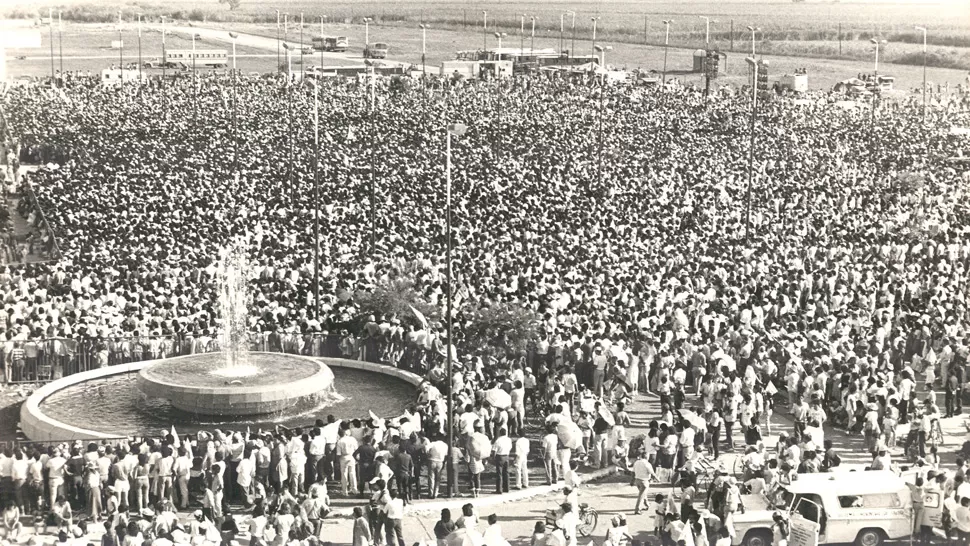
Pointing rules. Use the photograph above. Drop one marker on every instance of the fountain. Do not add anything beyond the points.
(233, 388)
(235, 381)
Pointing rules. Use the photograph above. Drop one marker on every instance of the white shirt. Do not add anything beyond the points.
(522, 446)
(395, 509)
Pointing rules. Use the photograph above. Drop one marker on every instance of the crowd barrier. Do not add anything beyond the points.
(47, 359)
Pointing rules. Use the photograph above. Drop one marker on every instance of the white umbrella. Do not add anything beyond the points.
(498, 398)
(570, 436)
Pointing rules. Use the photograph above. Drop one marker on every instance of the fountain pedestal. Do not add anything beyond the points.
(198, 384)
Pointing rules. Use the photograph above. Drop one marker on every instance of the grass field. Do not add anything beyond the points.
(805, 29)
(85, 49)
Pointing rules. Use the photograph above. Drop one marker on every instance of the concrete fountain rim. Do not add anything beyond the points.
(38, 426)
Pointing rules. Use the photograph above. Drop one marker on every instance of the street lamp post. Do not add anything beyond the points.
(666, 23)
(532, 46)
(121, 52)
(235, 131)
(60, 41)
(923, 29)
(877, 43)
(456, 129)
(572, 47)
(562, 30)
(522, 34)
(594, 19)
(754, 31)
(367, 21)
(139, 48)
(499, 36)
(50, 23)
(277, 41)
(316, 199)
(424, 44)
(754, 108)
(301, 43)
(707, 30)
(164, 62)
(484, 30)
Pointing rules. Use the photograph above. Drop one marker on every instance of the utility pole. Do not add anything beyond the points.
(522, 35)
(424, 45)
(666, 23)
(456, 129)
(484, 30)
(139, 49)
(923, 29)
(533, 45)
(278, 41)
(60, 40)
(594, 34)
(50, 22)
(302, 69)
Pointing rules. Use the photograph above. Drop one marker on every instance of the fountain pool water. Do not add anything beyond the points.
(116, 406)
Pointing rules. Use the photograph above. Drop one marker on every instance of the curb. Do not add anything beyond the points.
(489, 500)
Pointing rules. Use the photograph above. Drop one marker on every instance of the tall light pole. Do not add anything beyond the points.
(923, 29)
(666, 23)
(562, 30)
(301, 43)
(367, 21)
(707, 30)
(235, 131)
(50, 22)
(594, 19)
(164, 63)
(499, 36)
(424, 45)
(121, 51)
(572, 47)
(754, 108)
(877, 43)
(316, 199)
(277, 41)
(754, 31)
(195, 75)
(522, 34)
(484, 30)
(139, 48)
(456, 129)
(60, 41)
(532, 46)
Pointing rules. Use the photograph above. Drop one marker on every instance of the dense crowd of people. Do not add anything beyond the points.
(626, 220)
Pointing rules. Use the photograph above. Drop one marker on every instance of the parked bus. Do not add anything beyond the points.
(204, 58)
(331, 43)
(377, 50)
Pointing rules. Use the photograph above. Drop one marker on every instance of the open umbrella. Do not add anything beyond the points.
(570, 436)
(695, 420)
(498, 398)
(607, 416)
(479, 445)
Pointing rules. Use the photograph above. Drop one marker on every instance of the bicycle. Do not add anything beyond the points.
(588, 518)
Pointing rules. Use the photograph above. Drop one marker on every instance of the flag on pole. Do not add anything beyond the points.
(175, 435)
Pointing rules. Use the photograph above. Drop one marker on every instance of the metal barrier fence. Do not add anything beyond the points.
(47, 359)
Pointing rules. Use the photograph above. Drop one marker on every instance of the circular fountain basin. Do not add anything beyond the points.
(107, 403)
(204, 385)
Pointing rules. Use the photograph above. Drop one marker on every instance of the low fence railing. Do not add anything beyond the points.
(47, 359)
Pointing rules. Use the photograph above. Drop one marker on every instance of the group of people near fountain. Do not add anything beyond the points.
(626, 221)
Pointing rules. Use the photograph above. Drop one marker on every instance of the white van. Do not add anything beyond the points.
(865, 508)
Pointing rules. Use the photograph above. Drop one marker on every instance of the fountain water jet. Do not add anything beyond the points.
(235, 382)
